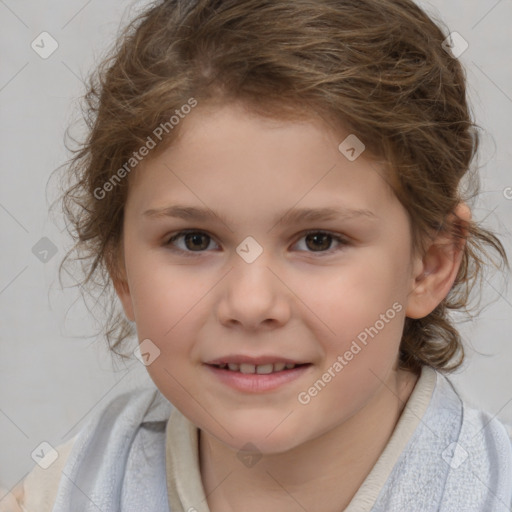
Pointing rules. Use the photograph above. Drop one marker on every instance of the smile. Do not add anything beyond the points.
(257, 378)
(261, 369)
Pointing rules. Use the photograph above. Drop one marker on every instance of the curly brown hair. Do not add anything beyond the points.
(376, 67)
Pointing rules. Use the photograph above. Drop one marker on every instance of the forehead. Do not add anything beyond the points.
(229, 155)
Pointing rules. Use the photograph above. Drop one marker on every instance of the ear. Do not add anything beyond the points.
(435, 272)
(117, 271)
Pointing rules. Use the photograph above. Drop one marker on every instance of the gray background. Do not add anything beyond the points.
(53, 373)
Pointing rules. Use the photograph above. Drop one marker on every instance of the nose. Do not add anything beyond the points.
(254, 296)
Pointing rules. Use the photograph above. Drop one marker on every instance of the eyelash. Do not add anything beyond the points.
(341, 240)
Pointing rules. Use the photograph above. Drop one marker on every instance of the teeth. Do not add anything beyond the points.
(260, 369)
(265, 368)
(247, 368)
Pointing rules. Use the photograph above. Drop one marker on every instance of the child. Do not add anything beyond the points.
(300, 377)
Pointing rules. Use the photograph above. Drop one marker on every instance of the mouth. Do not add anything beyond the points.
(260, 369)
(257, 375)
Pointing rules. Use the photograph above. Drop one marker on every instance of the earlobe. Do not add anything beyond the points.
(437, 270)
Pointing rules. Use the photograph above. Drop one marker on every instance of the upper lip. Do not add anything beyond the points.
(241, 359)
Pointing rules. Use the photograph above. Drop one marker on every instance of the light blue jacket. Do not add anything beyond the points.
(459, 459)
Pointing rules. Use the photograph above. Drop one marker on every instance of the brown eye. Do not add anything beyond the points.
(320, 241)
(193, 241)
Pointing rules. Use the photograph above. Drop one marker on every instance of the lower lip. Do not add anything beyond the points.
(258, 382)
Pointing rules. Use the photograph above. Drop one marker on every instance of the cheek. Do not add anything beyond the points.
(172, 306)
(169, 308)
(361, 289)
(361, 308)
(163, 295)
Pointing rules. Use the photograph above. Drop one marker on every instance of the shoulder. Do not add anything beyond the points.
(38, 490)
(121, 415)
(478, 454)
(477, 424)
(487, 437)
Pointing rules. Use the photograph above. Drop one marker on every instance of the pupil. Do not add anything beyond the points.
(194, 237)
(320, 235)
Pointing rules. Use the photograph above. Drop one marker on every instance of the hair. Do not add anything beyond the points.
(374, 67)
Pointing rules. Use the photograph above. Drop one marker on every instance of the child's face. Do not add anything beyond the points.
(304, 298)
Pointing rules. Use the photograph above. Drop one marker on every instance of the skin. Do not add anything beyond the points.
(301, 299)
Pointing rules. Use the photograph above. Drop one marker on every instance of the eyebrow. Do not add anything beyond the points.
(293, 216)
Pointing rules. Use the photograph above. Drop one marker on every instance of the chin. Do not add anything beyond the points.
(267, 436)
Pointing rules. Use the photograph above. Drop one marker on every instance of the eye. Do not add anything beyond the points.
(322, 240)
(192, 239)
(199, 241)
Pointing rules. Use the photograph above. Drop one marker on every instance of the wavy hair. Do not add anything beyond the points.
(375, 67)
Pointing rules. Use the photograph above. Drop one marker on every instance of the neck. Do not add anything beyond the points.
(322, 474)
